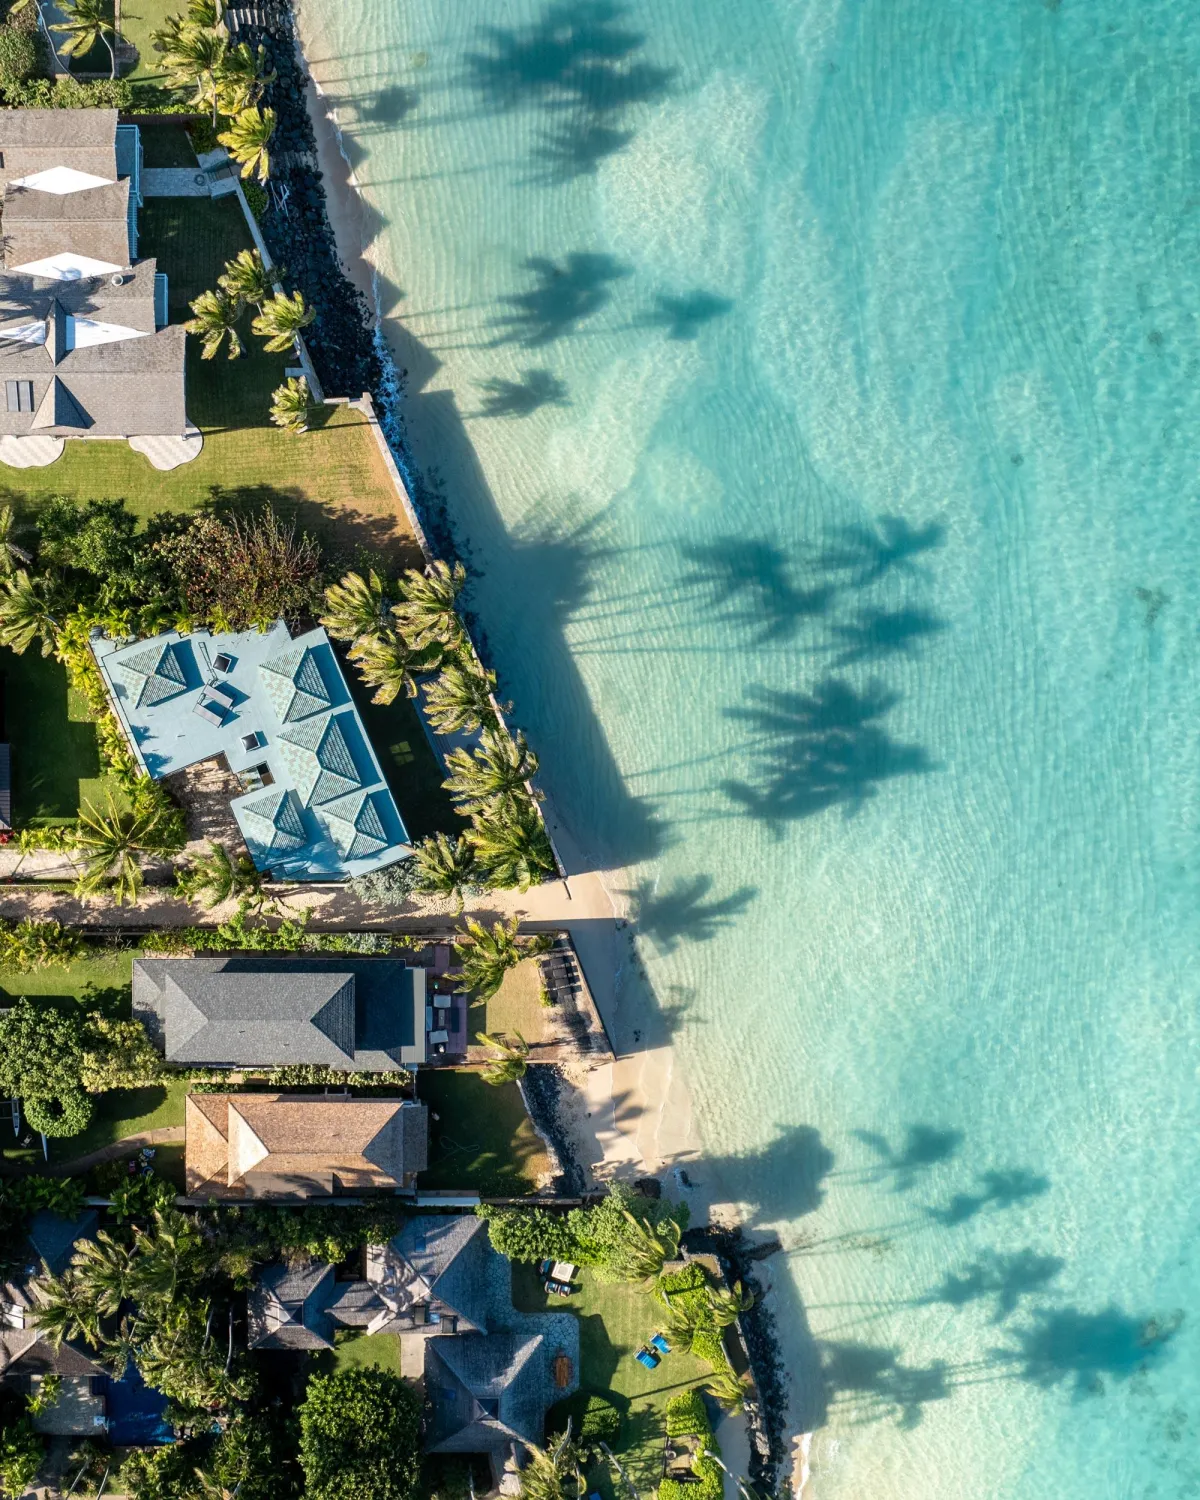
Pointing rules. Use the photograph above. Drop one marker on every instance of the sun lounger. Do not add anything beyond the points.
(659, 1342)
(223, 694)
(648, 1358)
(544, 1267)
(213, 712)
(558, 1288)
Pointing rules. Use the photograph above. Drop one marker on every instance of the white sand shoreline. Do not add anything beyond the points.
(642, 1136)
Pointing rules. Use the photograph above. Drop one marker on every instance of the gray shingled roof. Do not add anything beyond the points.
(287, 1308)
(57, 130)
(127, 389)
(25, 299)
(221, 1018)
(450, 1253)
(389, 1010)
(93, 222)
(484, 1389)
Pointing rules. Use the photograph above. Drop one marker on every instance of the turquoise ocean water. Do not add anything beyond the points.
(816, 387)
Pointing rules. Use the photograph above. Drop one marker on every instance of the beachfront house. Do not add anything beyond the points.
(86, 351)
(302, 1146)
(491, 1373)
(275, 714)
(349, 1012)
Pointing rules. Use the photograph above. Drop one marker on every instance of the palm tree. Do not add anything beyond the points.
(210, 13)
(8, 548)
(445, 865)
(486, 956)
(727, 1388)
(65, 1310)
(726, 1304)
(121, 1349)
(498, 769)
(646, 1247)
(427, 611)
(27, 612)
(389, 664)
(356, 608)
(511, 1061)
(511, 846)
(243, 79)
(248, 138)
(216, 877)
(553, 1475)
(103, 1272)
(281, 319)
(245, 278)
(168, 1256)
(87, 23)
(290, 403)
(460, 698)
(110, 843)
(194, 58)
(216, 318)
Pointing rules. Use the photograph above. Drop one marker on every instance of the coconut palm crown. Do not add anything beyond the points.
(460, 699)
(356, 608)
(248, 140)
(246, 279)
(87, 22)
(281, 319)
(216, 319)
(28, 612)
(445, 865)
(428, 611)
(290, 404)
(498, 769)
(511, 846)
(390, 665)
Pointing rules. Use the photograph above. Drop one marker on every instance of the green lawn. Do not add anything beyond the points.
(166, 146)
(482, 1139)
(615, 1321)
(124, 1112)
(382, 1349)
(138, 19)
(107, 970)
(55, 757)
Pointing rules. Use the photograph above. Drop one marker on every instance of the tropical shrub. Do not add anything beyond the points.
(391, 886)
(21, 56)
(242, 573)
(360, 1437)
(530, 1234)
(28, 945)
(117, 1054)
(592, 1418)
(41, 1050)
(21, 1454)
(63, 1114)
(139, 1196)
(687, 1415)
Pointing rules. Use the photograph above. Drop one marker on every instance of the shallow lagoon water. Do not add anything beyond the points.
(816, 388)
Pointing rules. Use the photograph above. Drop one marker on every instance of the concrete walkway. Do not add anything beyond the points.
(174, 182)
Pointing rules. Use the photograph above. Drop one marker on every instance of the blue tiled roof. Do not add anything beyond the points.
(324, 810)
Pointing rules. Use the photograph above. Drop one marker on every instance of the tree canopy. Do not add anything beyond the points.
(360, 1437)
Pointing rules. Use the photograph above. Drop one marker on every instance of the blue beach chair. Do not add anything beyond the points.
(659, 1342)
(648, 1358)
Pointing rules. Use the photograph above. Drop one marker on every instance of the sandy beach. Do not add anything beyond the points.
(632, 1117)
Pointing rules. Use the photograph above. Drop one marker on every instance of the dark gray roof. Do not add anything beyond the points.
(25, 299)
(287, 1308)
(485, 1389)
(347, 1012)
(58, 130)
(34, 140)
(228, 1018)
(93, 222)
(451, 1254)
(355, 1304)
(52, 1237)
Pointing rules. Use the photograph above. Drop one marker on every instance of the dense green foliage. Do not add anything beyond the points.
(360, 1436)
(592, 1418)
(21, 57)
(27, 945)
(611, 1235)
(21, 1453)
(687, 1415)
(487, 954)
(529, 1234)
(51, 1055)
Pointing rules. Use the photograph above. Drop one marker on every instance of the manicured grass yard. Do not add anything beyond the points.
(482, 1140)
(515, 1007)
(55, 757)
(138, 19)
(123, 1112)
(615, 1321)
(105, 969)
(382, 1349)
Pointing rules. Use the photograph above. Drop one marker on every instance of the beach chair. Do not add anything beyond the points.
(659, 1342)
(647, 1357)
(544, 1267)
